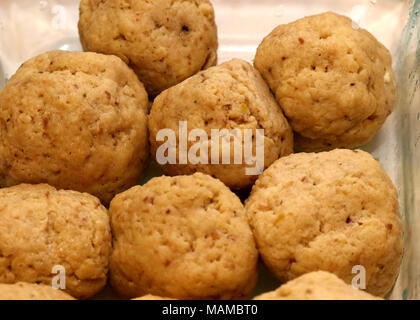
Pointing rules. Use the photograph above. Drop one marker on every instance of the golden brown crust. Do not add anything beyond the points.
(334, 83)
(230, 96)
(41, 227)
(184, 237)
(328, 211)
(76, 121)
(164, 41)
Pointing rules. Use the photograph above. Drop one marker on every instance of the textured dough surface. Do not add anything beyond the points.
(41, 227)
(334, 83)
(75, 121)
(30, 291)
(163, 41)
(184, 237)
(230, 96)
(318, 285)
(329, 211)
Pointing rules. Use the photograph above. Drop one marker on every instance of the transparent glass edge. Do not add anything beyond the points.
(407, 66)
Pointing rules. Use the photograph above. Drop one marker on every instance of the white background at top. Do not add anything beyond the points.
(28, 27)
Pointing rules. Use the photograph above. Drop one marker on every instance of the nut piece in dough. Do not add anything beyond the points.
(329, 211)
(41, 228)
(334, 82)
(319, 285)
(30, 291)
(231, 96)
(184, 237)
(76, 121)
(163, 41)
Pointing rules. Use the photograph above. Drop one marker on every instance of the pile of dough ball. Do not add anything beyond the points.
(74, 143)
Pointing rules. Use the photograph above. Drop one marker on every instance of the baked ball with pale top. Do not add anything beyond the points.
(47, 233)
(330, 211)
(333, 81)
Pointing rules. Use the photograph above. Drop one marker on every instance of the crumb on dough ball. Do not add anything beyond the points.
(334, 82)
(30, 291)
(184, 237)
(231, 96)
(76, 121)
(319, 285)
(163, 41)
(329, 211)
(43, 229)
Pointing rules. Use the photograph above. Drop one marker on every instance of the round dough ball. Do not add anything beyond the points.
(75, 121)
(329, 211)
(318, 285)
(41, 228)
(334, 81)
(29, 291)
(230, 96)
(163, 41)
(184, 237)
